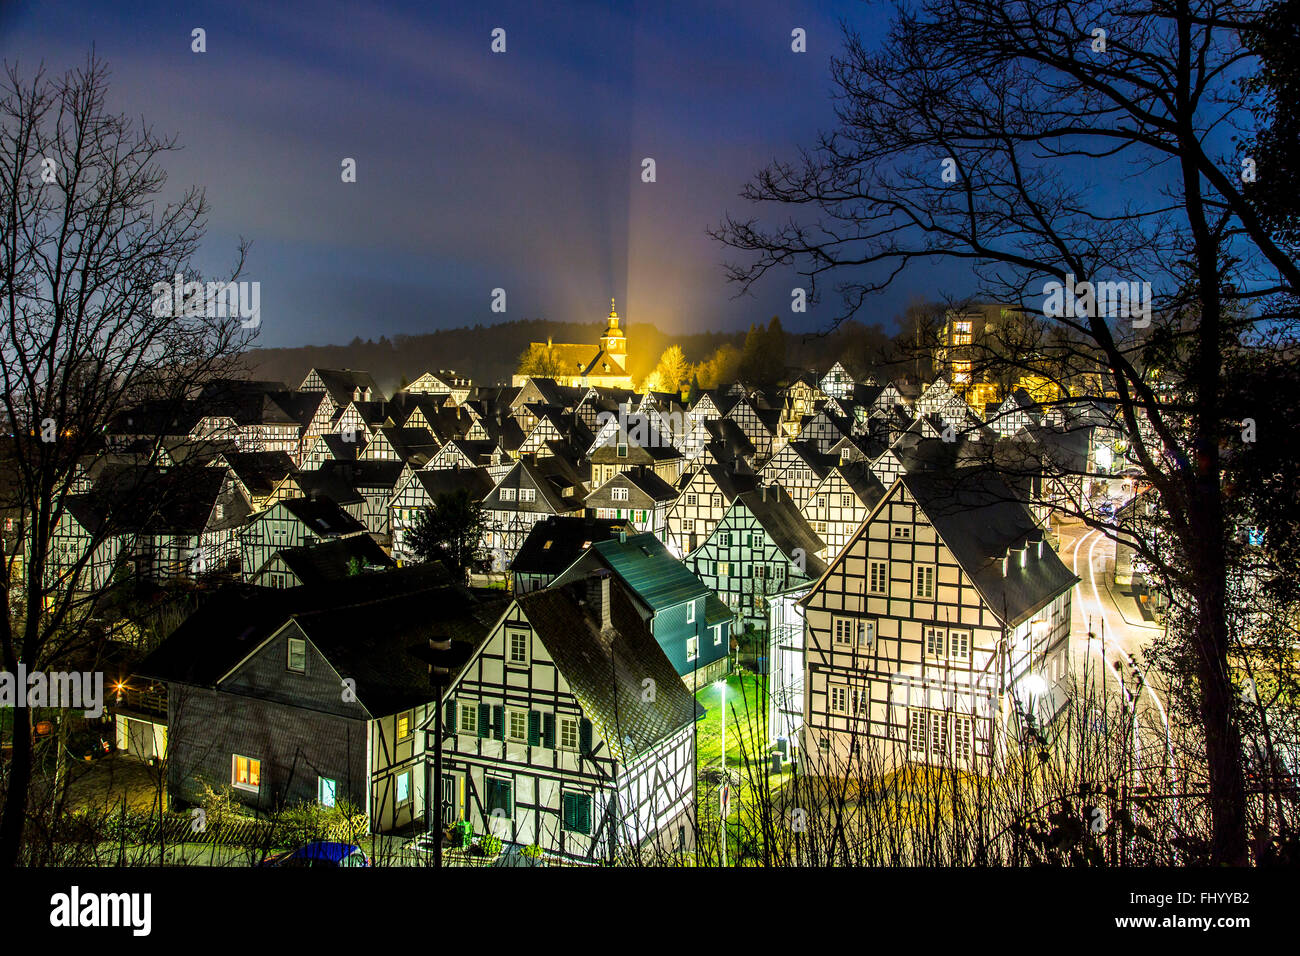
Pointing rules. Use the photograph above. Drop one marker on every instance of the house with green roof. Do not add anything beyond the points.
(689, 622)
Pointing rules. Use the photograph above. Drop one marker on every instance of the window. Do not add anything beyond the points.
(902, 531)
(935, 640)
(326, 791)
(404, 788)
(618, 494)
(692, 648)
(824, 744)
(760, 572)
(717, 501)
(843, 627)
(819, 501)
(517, 726)
(925, 581)
(927, 732)
(403, 725)
(297, 660)
(839, 699)
(468, 719)
(500, 797)
(621, 451)
(507, 494)
(846, 501)
(963, 733)
(518, 647)
(576, 812)
(688, 524)
(690, 613)
(722, 569)
(724, 539)
(246, 773)
(527, 494)
(959, 645)
(717, 634)
(568, 733)
(819, 527)
(878, 582)
(844, 455)
(691, 500)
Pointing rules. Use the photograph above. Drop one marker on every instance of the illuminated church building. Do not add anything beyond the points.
(603, 366)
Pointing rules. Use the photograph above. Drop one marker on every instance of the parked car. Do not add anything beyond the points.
(321, 853)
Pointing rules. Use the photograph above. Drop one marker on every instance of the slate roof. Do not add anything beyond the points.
(322, 516)
(557, 542)
(606, 672)
(236, 619)
(979, 519)
(446, 481)
(329, 561)
(782, 520)
(649, 569)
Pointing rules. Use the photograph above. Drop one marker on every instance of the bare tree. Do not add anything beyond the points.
(993, 134)
(86, 336)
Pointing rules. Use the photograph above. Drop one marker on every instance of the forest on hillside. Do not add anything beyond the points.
(490, 354)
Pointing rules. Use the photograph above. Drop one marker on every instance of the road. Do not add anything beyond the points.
(1107, 632)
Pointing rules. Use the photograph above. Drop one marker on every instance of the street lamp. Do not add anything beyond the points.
(722, 801)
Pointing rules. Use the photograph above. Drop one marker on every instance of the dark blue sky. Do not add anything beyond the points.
(475, 170)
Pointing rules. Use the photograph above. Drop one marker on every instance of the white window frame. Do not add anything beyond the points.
(511, 657)
(470, 725)
(401, 801)
(527, 494)
(234, 773)
(618, 494)
(883, 567)
(511, 714)
(507, 494)
(936, 642)
(923, 581)
(959, 645)
(566, 734)
(690, 612)
(692, 648)
(288, 658)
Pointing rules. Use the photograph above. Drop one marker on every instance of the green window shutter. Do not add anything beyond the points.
(548, 730)
(451, 717)
(484, 719)
(534, 728)
(582, 813)
(566, 811)
(499, 721)
(584, 736)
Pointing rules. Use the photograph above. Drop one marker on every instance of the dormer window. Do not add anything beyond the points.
(621, 451)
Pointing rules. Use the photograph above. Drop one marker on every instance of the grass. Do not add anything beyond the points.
(745, 723)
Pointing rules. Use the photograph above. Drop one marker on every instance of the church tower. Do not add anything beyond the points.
(613, 341)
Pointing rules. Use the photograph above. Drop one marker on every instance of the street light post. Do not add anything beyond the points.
(723, 793)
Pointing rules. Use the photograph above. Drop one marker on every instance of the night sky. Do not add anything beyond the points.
(475, 170)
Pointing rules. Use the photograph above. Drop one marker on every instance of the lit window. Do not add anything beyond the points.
(925, 581)
(568, 733)
(246, 773)
(518, 647)
(403, 725)
(326, 791)
(404, 788)
(878, 582)
(517, 726)
(468, 719)
(297, 661)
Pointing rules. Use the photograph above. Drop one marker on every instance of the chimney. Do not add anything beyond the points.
(598, 596)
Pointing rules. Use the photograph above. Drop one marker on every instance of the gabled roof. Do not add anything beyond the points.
(775, 510)
(332, 560)
(231, 623)
(979, 518)
(557, 542)
(366, 474)
(444, 481)
(322, 516)
(607, 672)
(647, 567)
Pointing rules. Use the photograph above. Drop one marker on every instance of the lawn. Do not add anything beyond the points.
(746, 723)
